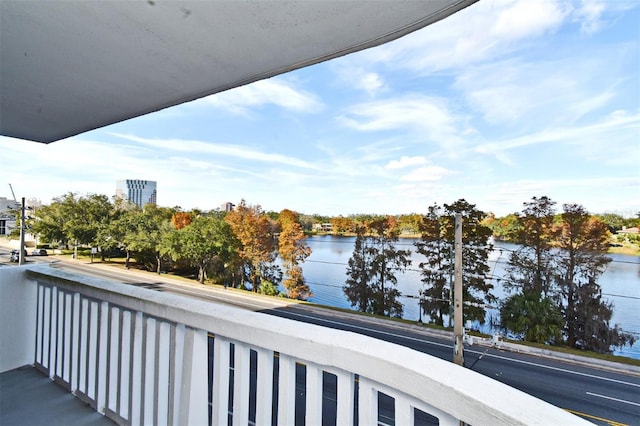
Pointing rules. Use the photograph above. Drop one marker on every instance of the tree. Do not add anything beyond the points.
(583, 244)
(146, 233)
(340, 224)
(253, 229)
(530, 268)
(181, 219)
(436, 270)
(201, 243)
(437, 243)
(293, 250)
(124, 228)
(371, 271)
(72, 218)
(410, 223)
(356, 287)
(592, 317)
(535, 317)
(386, 261)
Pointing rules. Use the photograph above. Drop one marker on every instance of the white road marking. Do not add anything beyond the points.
(614, 399)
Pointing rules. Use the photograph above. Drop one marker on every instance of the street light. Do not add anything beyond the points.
(22, 250)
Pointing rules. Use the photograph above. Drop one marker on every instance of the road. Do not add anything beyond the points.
(603, 397)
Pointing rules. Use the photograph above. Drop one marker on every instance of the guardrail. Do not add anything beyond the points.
(145, 357)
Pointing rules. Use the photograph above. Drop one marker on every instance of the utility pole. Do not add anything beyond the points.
(458, 318)
(21, 255)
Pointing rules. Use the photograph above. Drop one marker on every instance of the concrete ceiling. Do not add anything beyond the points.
(67, 67)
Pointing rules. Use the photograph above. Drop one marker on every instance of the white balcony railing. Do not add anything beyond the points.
(145, 357)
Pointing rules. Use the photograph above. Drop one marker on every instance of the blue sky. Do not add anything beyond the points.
(496, 104)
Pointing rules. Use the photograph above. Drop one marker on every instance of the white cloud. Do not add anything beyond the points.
(582, 135)
(590, 13)
(484, 31)
(427, 118)
(429, 173)
(522, 19)
(405, 162)
(274, 91)
(210, 148)
(534, 94)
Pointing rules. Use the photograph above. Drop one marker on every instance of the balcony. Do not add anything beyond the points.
(143, 357)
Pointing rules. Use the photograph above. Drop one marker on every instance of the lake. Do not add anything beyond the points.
(325, 272)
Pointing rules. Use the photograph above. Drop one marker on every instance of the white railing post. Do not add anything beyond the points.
(60, 341)
(286, 390)
(314, 394)
(136, 371)
(74, 374)
(345, 397)
(175, 390)
(115, 349)
(149, 372)
(46, 327)
(220, 409)
(102, 351)
(126, 370)
(164, 373)
(193, 407)
(197, 361)
(67, 352)
(367, 402)
(241, 377)
(264, 391)
(92, 355)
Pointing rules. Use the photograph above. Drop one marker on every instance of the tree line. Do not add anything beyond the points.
(552, 279)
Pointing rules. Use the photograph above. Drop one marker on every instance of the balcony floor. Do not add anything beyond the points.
(27, 397)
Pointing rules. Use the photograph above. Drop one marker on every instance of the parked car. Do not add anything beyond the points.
(39, 252)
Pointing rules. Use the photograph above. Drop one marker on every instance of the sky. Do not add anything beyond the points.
(501, 102)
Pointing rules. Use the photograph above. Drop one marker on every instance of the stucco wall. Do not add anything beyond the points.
(18, 298)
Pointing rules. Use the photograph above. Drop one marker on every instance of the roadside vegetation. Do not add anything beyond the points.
(554, 298)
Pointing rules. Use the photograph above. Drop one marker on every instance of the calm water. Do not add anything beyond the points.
(325, 271)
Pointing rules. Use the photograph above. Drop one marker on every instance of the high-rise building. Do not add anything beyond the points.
(140, 192)
(227, 207)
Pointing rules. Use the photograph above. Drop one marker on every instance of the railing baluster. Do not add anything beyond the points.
(164, 373)
(46, 328)
(92, 354)
(101, 350)
(286, 390)
(115, 349)
(345, 397)
(241, 385)
(175, 389)
(403, 411)
(68, 338)
(84, 345)
(75, 350)
(314, 395)
(149, 370)
(59, 357)
(220, 381)
(367, 402)
(264, 391)
(137, 368)
(125, 370)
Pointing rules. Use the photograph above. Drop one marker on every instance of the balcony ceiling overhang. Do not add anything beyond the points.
(67, 67)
